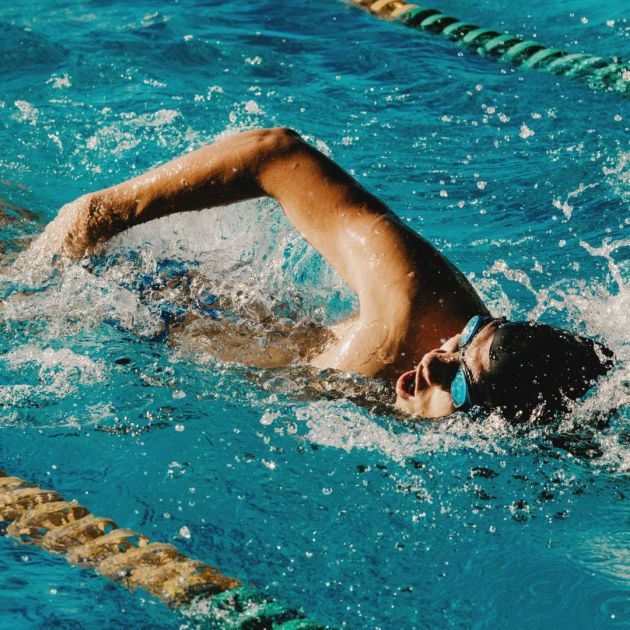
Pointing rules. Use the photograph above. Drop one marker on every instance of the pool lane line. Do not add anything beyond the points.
(200, 592)
(600, 73)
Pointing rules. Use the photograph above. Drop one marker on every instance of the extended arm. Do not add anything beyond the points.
(358, 235)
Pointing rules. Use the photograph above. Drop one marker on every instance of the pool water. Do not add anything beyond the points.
(283, 478)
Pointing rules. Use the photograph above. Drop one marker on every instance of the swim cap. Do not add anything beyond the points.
(533, 364)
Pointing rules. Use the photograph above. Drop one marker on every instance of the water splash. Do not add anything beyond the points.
(220, 252)
(58, 374)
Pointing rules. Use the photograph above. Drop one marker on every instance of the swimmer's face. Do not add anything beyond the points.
(426, 391)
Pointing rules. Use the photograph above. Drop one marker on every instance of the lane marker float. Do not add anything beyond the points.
(200, 592)
(600, 73)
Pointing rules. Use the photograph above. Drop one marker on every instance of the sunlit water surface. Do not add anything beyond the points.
(282, 478)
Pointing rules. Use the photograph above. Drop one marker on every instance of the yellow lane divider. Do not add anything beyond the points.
(45, 519)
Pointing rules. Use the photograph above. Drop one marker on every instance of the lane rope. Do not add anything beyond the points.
(609, 74)
(198, 591)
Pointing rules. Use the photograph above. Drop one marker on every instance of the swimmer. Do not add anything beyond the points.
(420, 325)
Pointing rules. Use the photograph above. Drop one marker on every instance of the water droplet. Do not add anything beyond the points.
(268, 417)
(525, 132)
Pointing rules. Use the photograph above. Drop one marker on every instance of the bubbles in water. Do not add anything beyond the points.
(128, 130)
(567, 210)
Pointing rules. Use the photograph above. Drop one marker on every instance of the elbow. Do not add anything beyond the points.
(267, 155)
(277, 141)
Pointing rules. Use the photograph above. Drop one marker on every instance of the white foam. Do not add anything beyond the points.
(618, 174)
(163, 127)
(28, 113)
(341, 425)
(54, 361)
(60, 81)
(59, 374)
(247, 249)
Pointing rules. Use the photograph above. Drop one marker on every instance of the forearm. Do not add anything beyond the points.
(225, 172)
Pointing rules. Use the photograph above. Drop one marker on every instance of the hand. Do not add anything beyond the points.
(70, 233)
(67, 235)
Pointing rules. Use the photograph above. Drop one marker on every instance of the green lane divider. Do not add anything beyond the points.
(200, 592)
(246, 607)
(612, 75)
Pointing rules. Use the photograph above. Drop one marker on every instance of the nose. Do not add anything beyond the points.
(439, 367)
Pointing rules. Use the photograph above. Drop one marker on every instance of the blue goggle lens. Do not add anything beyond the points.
(459, 390)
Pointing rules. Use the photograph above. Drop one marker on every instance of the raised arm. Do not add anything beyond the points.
(331, 210)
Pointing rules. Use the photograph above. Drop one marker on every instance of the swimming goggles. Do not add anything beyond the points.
(461, 387)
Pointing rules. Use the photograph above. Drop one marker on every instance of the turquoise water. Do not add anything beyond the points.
(360, 519)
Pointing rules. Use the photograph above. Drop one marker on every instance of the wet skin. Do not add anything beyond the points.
(413, 302)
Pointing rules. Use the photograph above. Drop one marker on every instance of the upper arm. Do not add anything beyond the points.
(355, 232)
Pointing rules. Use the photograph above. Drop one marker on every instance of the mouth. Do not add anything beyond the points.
(406, 385)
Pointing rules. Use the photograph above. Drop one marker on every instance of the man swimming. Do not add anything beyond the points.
(420, 325)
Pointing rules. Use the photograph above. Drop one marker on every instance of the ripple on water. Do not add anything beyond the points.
(25, 50)
(607, 555)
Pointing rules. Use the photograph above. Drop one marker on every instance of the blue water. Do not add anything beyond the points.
(361, 520)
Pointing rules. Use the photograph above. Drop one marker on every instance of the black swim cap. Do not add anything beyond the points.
(533, 364)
